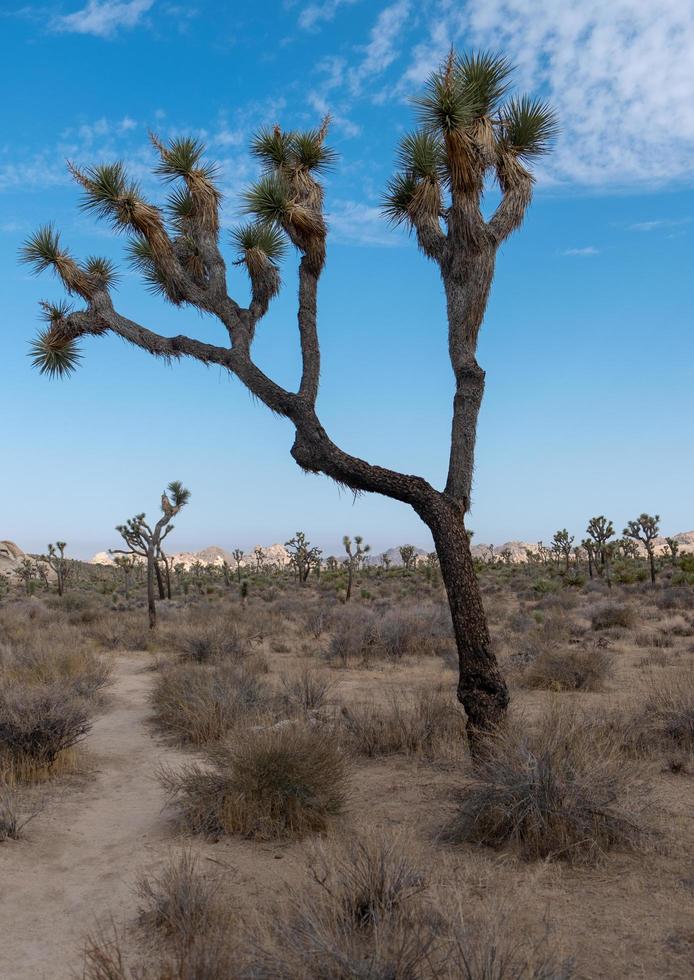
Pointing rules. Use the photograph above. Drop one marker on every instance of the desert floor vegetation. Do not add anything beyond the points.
(274, 783)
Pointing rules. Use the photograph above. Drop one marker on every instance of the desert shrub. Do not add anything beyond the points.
(568, 670)
(675, 597)
(213, 641)
(558, 791)
(201, 703)
(549, 632)
(366, 878)
(60, 659)
(657, 641)
(612, 615)
(391, 634)
(284, 780)
(12, 818)
(121, 631)
(665, 717)
(180, 901)
(418, 723)
(306, 691)
(37, 724)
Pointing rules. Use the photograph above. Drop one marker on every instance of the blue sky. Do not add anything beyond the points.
(588, 342)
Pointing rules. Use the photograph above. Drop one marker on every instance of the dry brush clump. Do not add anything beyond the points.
(559, 790)
(269, 781)
(180, 901)
(663, 720)
(426, 722)
(39, 725)
(201, 703)
(612, 615)
(366, 635)
(572, 669)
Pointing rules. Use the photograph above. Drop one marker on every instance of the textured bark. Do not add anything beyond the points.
(151, 603)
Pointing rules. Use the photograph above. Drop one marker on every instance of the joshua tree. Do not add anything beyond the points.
(600, 530)
(145, 541)
(645, 529)
(126, 563)
(26, 572)
(237, 555)
(470, 131)
(590, 548)
(672, 547)
(259, 558)
(561, 546)
(56, 560)
(302, 556)
(408, 554)
(354, 559)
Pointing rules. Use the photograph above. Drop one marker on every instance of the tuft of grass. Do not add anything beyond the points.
(198, 704)
(281, 781)
(306, 691)
(13, 818)
(180, 901)
(420, 723)
(664, 719)
(568, 670)
(558, 791)
(213, 641)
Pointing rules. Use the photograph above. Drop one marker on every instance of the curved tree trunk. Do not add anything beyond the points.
(151, 602)
(482, 690)
(160, 581)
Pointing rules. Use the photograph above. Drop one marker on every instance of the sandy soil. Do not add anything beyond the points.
(80, 856)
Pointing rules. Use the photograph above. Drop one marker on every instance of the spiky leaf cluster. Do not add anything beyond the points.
(269, 199)
(178, 494)
(141, 258)
(528, 127)
(182, 158)
(109, 193)
(54, 355)
(102, 270)
(42, 249)
(261, 237)
(301, 150)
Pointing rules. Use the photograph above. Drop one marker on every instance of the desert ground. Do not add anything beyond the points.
(275, 782)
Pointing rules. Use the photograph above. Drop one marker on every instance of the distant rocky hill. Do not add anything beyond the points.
(11, 555)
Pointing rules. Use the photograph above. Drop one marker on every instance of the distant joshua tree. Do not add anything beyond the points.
(386, 561)
(672, 547)
(127, 564)
(645, 529)
(237, 555)
(561, 546)
(56, 560)
(408, 554)
(470, 132)
(600, 530)
(354, 559)
(302, 556)
(259, 555)
(146, 541)
(591, 550)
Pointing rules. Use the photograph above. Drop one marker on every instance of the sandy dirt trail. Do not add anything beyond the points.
(81, 855)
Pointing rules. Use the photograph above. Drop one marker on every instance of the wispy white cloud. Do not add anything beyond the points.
(620, 74)
(355, 223)
(382, 49)
(103, 18)
(315, 14)
(660, 223)
(586, 251)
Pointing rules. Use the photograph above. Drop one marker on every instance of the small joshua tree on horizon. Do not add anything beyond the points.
(146, 541)
(302, 555)
(645, 529)
(56, 560)
(561, 546)
(600, 530)
(470, 132)
(408, 554)
(354, 559)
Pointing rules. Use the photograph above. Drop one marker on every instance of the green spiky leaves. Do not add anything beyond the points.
(141, 258)
(421, 154)
(178, 494)
(181, 158)
(302, 150)
(529, 127)
(102, 271)
(265, 238)
(108, 191)
(484, 77)
(268, 199)
(398, 198)
(54, 355)
(42, 250)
